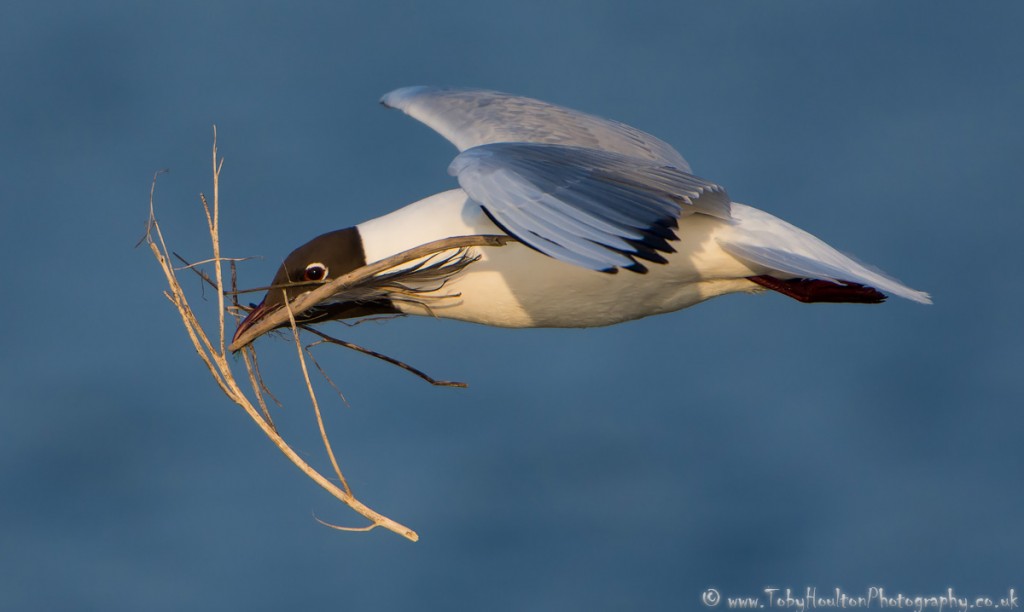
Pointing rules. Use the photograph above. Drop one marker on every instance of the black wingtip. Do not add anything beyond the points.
(648, 248)
(637, 267)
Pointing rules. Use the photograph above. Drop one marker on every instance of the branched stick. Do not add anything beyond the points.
(214, 355)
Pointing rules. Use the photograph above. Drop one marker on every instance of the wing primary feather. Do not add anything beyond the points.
(549, 223)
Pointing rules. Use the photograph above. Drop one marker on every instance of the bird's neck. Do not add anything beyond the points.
(443, 215)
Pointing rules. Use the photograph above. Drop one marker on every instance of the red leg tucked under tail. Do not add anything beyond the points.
(812, 290)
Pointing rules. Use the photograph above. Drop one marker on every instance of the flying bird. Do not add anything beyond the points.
(609, 225)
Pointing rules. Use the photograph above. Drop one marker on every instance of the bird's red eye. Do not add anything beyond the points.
(315, 272)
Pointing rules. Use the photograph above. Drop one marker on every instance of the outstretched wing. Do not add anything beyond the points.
(578, 188)
(474, 117)
(595, 209)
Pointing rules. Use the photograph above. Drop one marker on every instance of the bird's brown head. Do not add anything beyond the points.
(319, 261)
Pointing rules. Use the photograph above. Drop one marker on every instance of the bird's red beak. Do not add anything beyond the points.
(239, 341)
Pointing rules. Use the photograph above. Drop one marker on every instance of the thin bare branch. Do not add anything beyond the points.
(258, 386)
(152, 217)
(369, 527)
(312, 398)
(215, 239)
(355, 347)
(234, 289)
(206, 261)
(323, 373)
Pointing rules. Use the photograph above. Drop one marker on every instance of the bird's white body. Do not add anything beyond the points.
(516, 286)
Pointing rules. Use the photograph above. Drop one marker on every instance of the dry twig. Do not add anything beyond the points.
(214, 353)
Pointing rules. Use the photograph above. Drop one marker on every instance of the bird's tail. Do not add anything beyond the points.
(801, 266)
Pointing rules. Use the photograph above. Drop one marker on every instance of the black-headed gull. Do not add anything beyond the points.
(610, 225)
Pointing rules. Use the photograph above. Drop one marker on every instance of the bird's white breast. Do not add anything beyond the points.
(515, 286)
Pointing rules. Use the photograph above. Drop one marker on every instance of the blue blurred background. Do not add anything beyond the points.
(749, 442)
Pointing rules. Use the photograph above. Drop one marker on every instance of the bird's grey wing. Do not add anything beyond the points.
(596, 209)
(474, 117)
